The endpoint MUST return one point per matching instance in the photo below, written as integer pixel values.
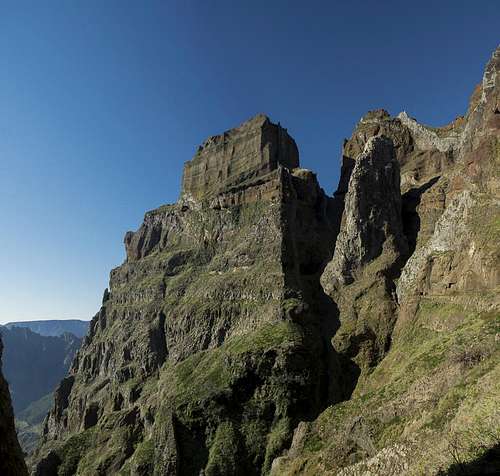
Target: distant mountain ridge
(54, 327)
(33, 364)
(11, 457)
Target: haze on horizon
(102, 105)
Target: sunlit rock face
(228, 160)
(215, 327)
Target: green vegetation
(30, 421)
(36, 411)
(224, 451)
(72, 451)
(430, 390)
(277, 439)
(210, 372)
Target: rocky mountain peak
(491, 81)
(372, 210)
(251, 150)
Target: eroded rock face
(215, 327)
(369, 253)
(11, 456)
(372, 216)
(424, 336)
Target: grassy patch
(209, 372)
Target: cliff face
(420, 320)
(260, 326)
(214, 331)
(11, 456)
(241, 154)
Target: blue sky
(102, 102)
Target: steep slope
(370, 250)
(429, 402)
(11, 457)
(213, 339)
(54, 327)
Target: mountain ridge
(53, 327)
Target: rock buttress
(252, 150)
(369, 252)
(214, 332)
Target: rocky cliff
(11, 456)
(418, 294)
(215, 331)
(259, 326)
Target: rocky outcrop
(370, 250)
(372, 213)
(216, 326)
(247, 152)
(423, 336)
(11, 457)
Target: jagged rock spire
(372, 212)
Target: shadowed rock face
(369, 252)
(259, 326)
(11, 457)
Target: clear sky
(101, 102)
